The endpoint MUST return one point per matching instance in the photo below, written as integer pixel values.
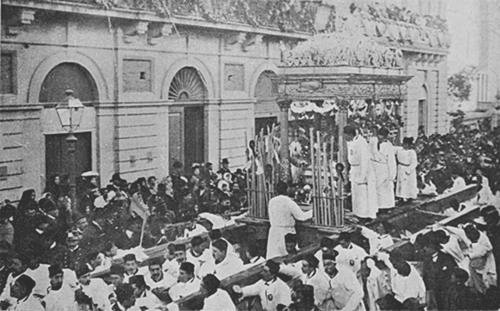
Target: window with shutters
(137, 75)
(8, 73)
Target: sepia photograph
(249, 155)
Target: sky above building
(464, 23)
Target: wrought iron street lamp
(70, 113)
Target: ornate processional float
(325, 83)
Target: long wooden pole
(313, 169)
(325, 184)
(320, 182)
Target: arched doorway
(57, 156)
(187, 117)
(68, 76)
(266, 108)
(422, 110)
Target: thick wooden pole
(284, 105)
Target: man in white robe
(226, 264)
(361, 174)
(406, 185)
(384, 163)
(283, 212)
(21, 292)
(406, 282)
(60, 296)
(271, 290)
(482, 261)
(201, 257)
(187, 283)
(94, 288)
(216, 299)
(350, 255)
(344, 291)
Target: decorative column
(284, 104)
(341, 159)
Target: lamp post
(70, 113)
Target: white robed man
(384, 164)
(283, 212)
(350, 255)
(216, 299)
(361, 175)
(272, 291)
(406, 283)
(483, 272)
(226, 263)
(187, 283)
(21, 291)
(344, 292)
(406, 185)
(201, 257)
(95, 288)
(60, 296)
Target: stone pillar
(284, 105)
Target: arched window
(68, 76)
(187, 84)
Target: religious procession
(272, 155)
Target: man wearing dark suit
(437, 269)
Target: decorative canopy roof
(342, 49)
(341, 66)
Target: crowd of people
(56, 254)
(51, 245)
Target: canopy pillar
(284, 104)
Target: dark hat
(187, 267)
(211, 282)
(384, 132)
(137, 280)
(55, 270)
(82, 270)
(329, 256)
(327, 242)
(408, 140)
(116, 177)
(312, 260)
(26, 282)
(225, 161)
(177, 164)
(350, 130)
(273, 266)
(220, 244)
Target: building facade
(166, 81)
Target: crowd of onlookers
(104, 223)
(471, 154)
